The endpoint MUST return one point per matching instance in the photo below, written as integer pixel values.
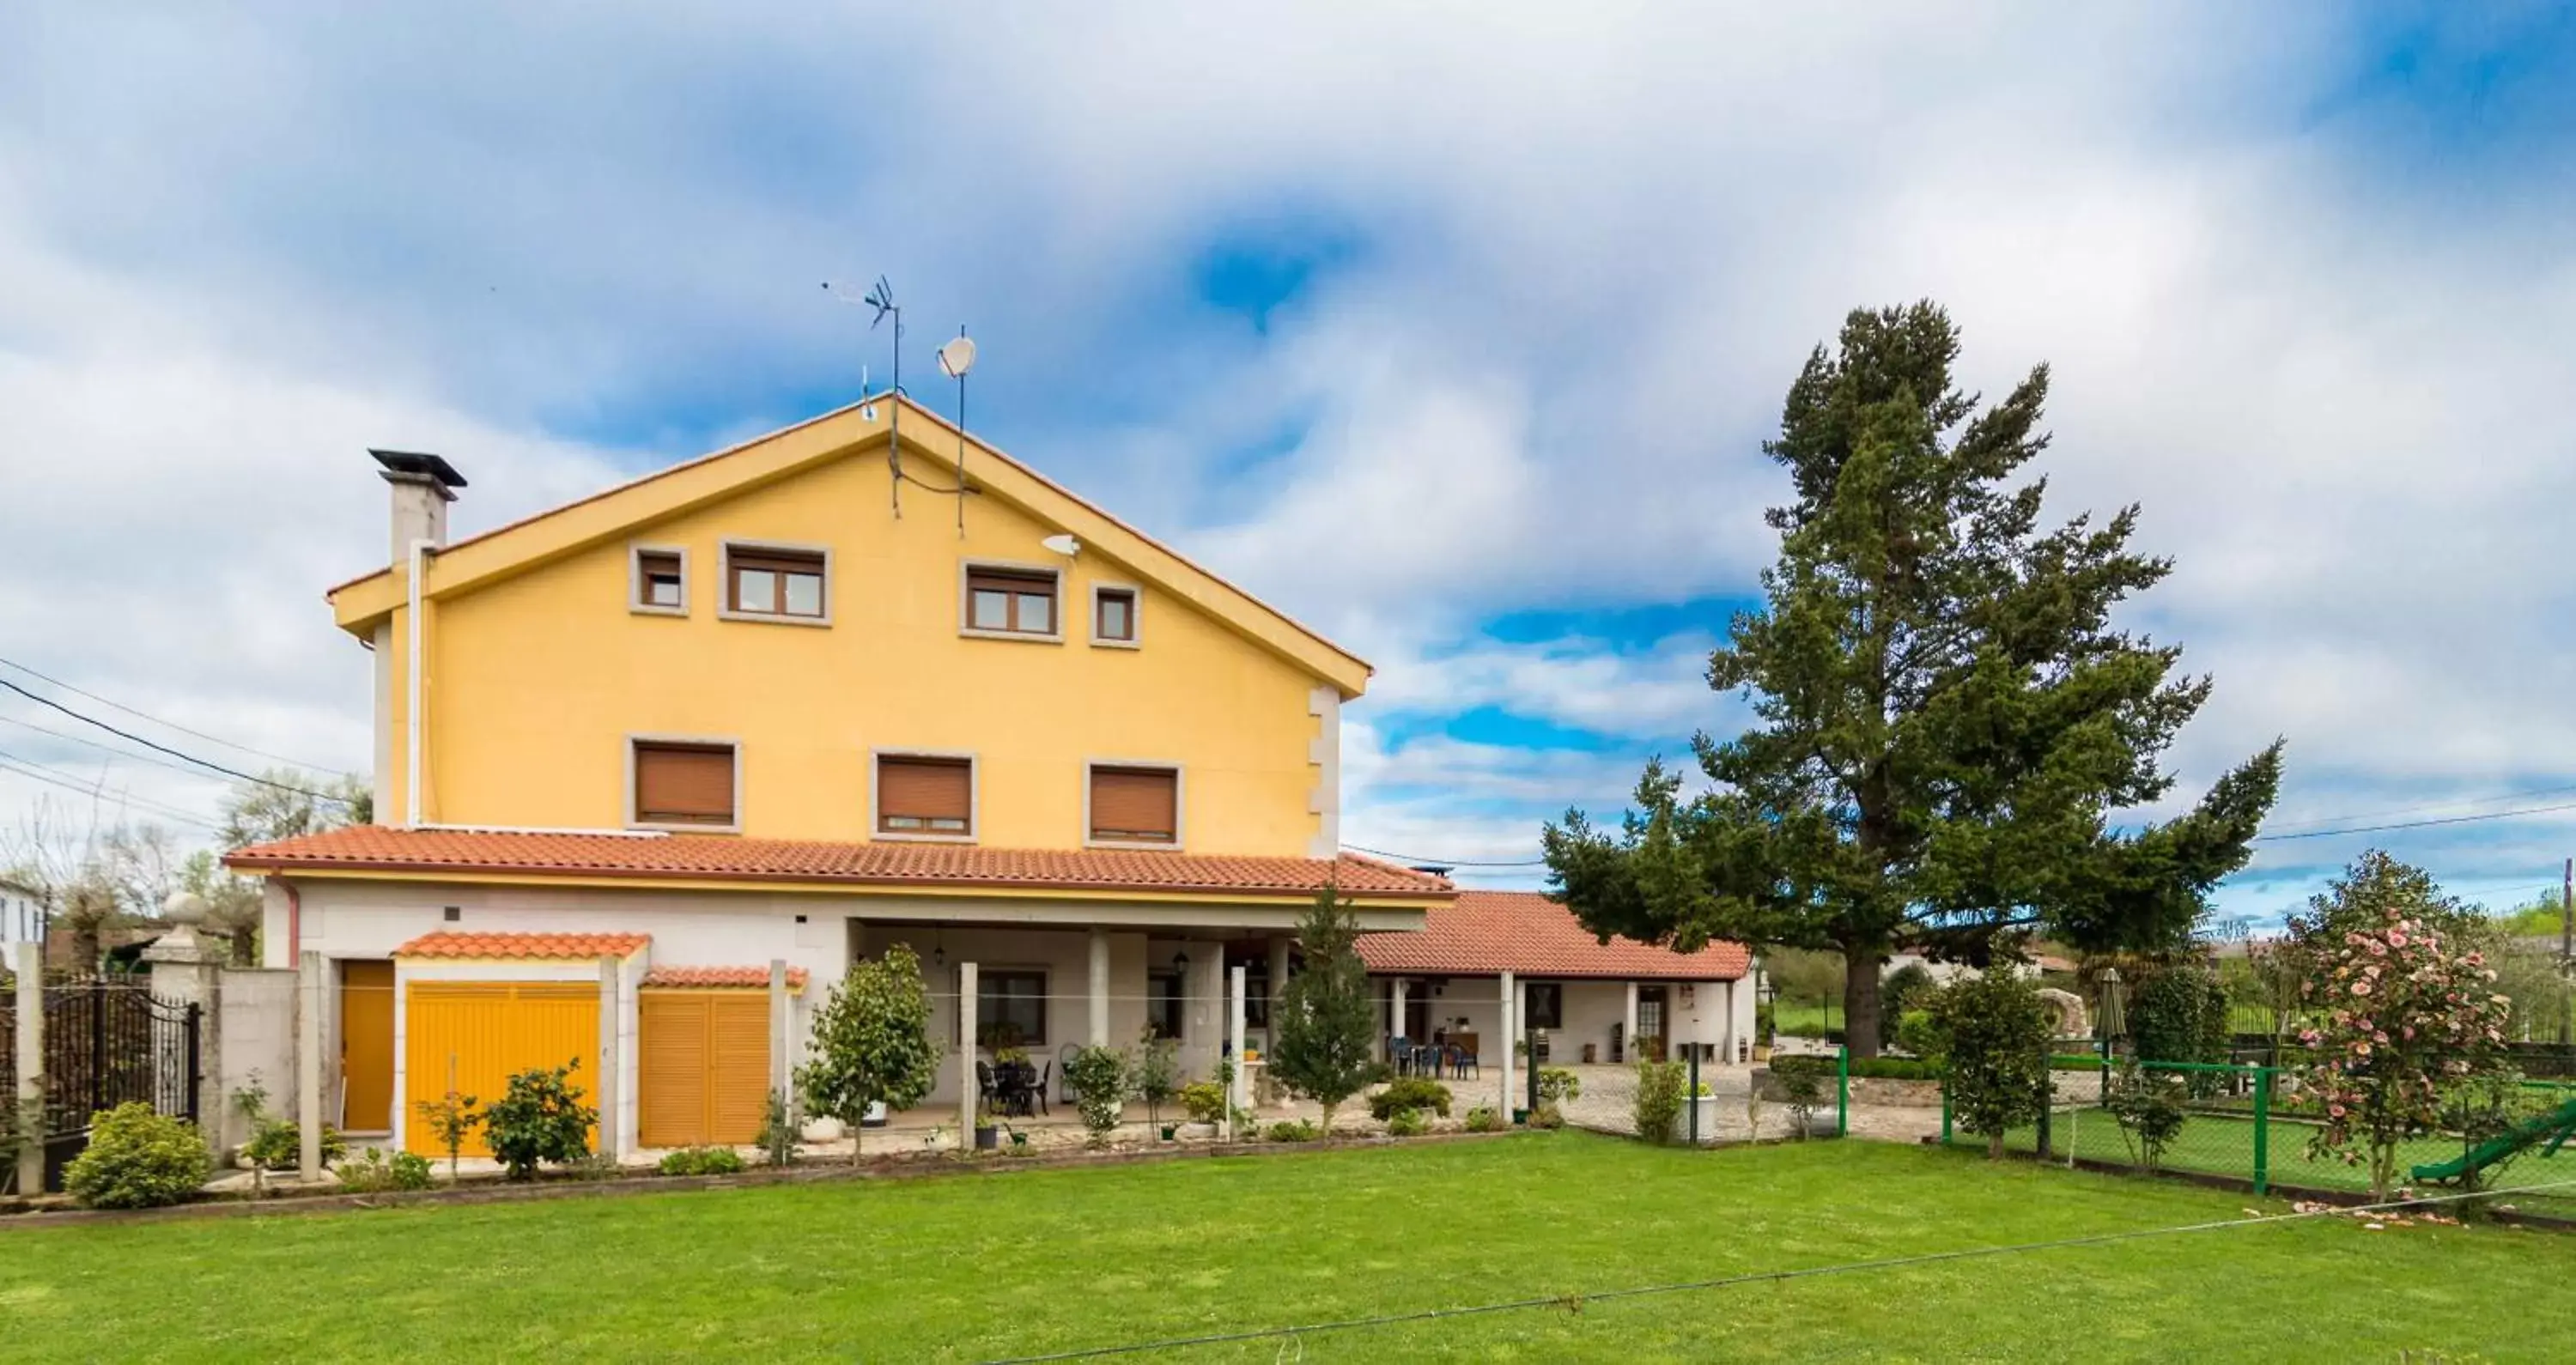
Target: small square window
(1113, 615)
(1010, 602)
(661, 581)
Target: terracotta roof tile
(698, 857)
(1485, 932)
(530, 947)
(701, 978)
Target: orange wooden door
(704, 1075)
(367, 1047)
(472, 1036)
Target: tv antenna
(880, 296)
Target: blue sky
(1453, 331)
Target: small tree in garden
(1994, 1032)
(539, 1118)
(451, 1119)
(1661, 1087)
(1326, 1025)
(1098, 1077)
(1157, 1073)
(2397, 1013)
(871, 1043)
(2149, 1109)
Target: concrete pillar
(1278, 982)
(1396, 1026)
(185, 971)
(779, 1041)
(967, 1093)
(1099, 1000)
(1628, 1034)
(30, 1099)
(610, 1111)
(1511, 1013)
(308, 1064)
(1239, 1094)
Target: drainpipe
(412, 722)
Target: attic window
(1011, 602)
(661, 582)
(769, 582)
(1113, 615)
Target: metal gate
(108, 1043)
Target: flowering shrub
(2396, 1018)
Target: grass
(971, 1268)
(1812, 1020)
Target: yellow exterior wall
(536, 681)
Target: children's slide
(2553, 1128)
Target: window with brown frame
(684, 784)
(761, 582)
(660, 580)
(1113, 615)
(918, 795)
(1010, 601)
(1135, 805)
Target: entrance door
(1650, 1022)
(367, 1047)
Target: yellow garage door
(472, 1036)
(705, 1074)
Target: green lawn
(967, 1268)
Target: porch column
(1239, 1093)
(30, 1043)
(1396, 1025)
(1099, 987)
(1511, 1009)
(966, 1088)
(1278, 985)
(1628, 1034)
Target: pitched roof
(613, 513)
(1485, 932)
(526, 947)
(713, 858)
(726, 978)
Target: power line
(57, 778)
(1578, 1300)
(171, 725)
(174, 753)
(2436, 805)
(102, 748)
(2416, 824)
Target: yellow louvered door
(705, 1073)
(474, 1035)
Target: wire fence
(2257, 1124)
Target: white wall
(21, 918)
(255, 1025)
(1716, 1013)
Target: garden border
(2237, 1184)
(491, 1189)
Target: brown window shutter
(1137, 805)
(925, 795)
(684, 784)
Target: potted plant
(987, 1135)
(1156, 1076)
(1204, 1102)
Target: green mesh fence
(2252, 1123)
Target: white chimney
(423, 485)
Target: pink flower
(2396, 938)
(2361, 988)
(2379, 1037)
(2336, 1110)
(2378, 949)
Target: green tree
(1946, 716)
(2180, 1015)
(1326, 1024)
(871, 1043)
(1993, 1034)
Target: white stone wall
(255, 1023)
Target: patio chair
(1462, 1064)
(984, 1089)
(1038, 1091)
(1399, 1050)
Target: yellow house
(653, 767)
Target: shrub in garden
(1156, 1076)
(1660, 1089)
(2398, 1013)
(539, 1118)
(2148, 1106)
(1098, 1078)
(1409, 1092)
(1556, 1085)
(1203, 1101)
(1995, 1033)
(1547, 1116)
(871, 1043)
(277, 1144)
(1902, 990)
(1407, 1123)
(1801, 1081)
(451, 1119)
(375, 1171)
(1916, 1034)
(1484, 1120)
(703, 1161)
(138, 1159)
(2180, 1015)
(1295, 1130)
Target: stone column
(308, 1065)
(1628, 1033)
(186, 971)
(30, 1099)
(1509, 1014)
(1396, 1026)
(1099, 1002)
(968, 1094)
(1278, 984)
(1239, 1094)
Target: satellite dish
(957, 357)
(1063, 545)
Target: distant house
(1599, 1002)
(22, 914)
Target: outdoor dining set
(1445, 1056)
